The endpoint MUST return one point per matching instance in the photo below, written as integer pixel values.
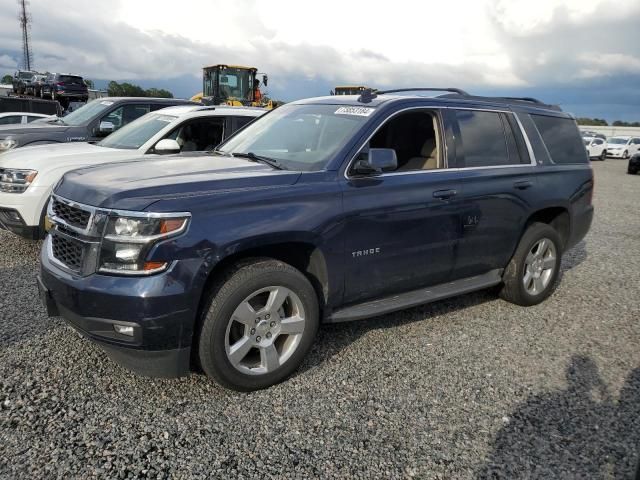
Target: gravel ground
(471, 387)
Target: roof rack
(525, 99)
(369, 94)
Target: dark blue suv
(324, 210)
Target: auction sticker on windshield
(360, 111)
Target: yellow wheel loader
(232, 85)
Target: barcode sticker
(360, 111)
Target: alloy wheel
(540, 264)
(265, 330)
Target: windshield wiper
(259, 158)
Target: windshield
(587, 141)
(87, 112)
(25, 75)
(233, 83)
(618, 141)
(137, 133)
(300, 137)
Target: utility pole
(25, 23)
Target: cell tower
(25, 23)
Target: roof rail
(525, 99)
(369, 94)
(425, 89)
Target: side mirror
(166, 146)
(105, 128)
(265, 79)
(378, 160)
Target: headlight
(16, 181)
(128, 240)
(7, 144)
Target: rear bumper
(160, 309)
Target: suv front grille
(67, 251)
(74, 216)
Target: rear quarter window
(562, 139)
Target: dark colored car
(634, 164)
(323, 210)
(64, 87)
(35, 84)
(20, 80)
(93, 121)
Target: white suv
(623, 147)
(596, 147)
(28, 174)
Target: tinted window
(239, 122)
(124, 114)
(11, 119)
(598, 142)
(71, 79)
(483, 139)
(200, 134)
(32, 118)
(562, 139)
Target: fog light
(124, 330)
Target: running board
(416, 297)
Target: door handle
(444, 194)
(523, 185)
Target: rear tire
(625, 154)
(632, 171)
(603, 155)
(531, 274)
(259, 323)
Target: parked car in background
(623, 146)
(94, 121)
(328, 209)
(34, 86)
(596, 147)
(20, 79)
(634, 164)
(591, 133)
(20, 118)
(27, 175)
(65, 87)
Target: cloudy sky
(583, 54)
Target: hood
(137, 184)
(50, 154)
(34, 127)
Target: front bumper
(28, 206)
(161, 309)
(634, 162)
(615, 153)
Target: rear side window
(562, 139)
(70, 79)
(10, 119)
(487, 139)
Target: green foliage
(89, 83)
(620, 123)
(7, 79)
(126, 89)
(594, 122)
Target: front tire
(625, 155)
(261, 320)
(603, 155)
(531, 274)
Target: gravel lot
(471, 387)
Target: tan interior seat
(428, 159)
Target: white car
(596, 147)
(28, 174)
(623, 147)
(15, 118)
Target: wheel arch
(557, 216)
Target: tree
(89, 83)
(594, 122)
(7, 79)
(126, 89)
